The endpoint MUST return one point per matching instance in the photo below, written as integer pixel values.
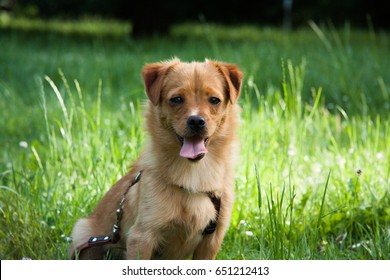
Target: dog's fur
(166, 212)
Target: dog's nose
(196, 123)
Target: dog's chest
(184, 232)
(190, 213)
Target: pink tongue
(192, 148)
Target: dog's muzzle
(193, 144)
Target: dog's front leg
(140, 246)
(208, 248)
(210, 244)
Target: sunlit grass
(313, 178)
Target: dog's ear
(153, 75)
(233, 77)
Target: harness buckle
(97, 240)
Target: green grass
(314, 174)
(84, 27)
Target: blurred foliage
(156, 16)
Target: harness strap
(106, 239)
(92, 242)
(212, 226)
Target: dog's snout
(196, 123)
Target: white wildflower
(23, 144)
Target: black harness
(94, 241)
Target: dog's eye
(176, 100)
(214, 100)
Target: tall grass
(321, 180)
(313, 177)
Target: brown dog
(181, 205)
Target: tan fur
(167, 211)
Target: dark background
(151, 16)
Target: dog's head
(192, 100)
